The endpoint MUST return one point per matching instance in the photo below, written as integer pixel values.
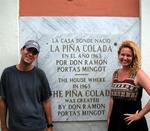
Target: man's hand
(49, 129)
(4, 129)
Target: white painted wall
(145, 42)
(8, 33)
(9, 52)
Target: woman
(125, 109)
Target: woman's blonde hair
(136, 62)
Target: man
(25, 92)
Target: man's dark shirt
(24, 92)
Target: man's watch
(49, 125)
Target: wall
(79, 8)
(8, 33)
(10, 52)
(145, 39)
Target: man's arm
(3, 114)
(47, 109)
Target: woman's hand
(108, 122)
(132, 117)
